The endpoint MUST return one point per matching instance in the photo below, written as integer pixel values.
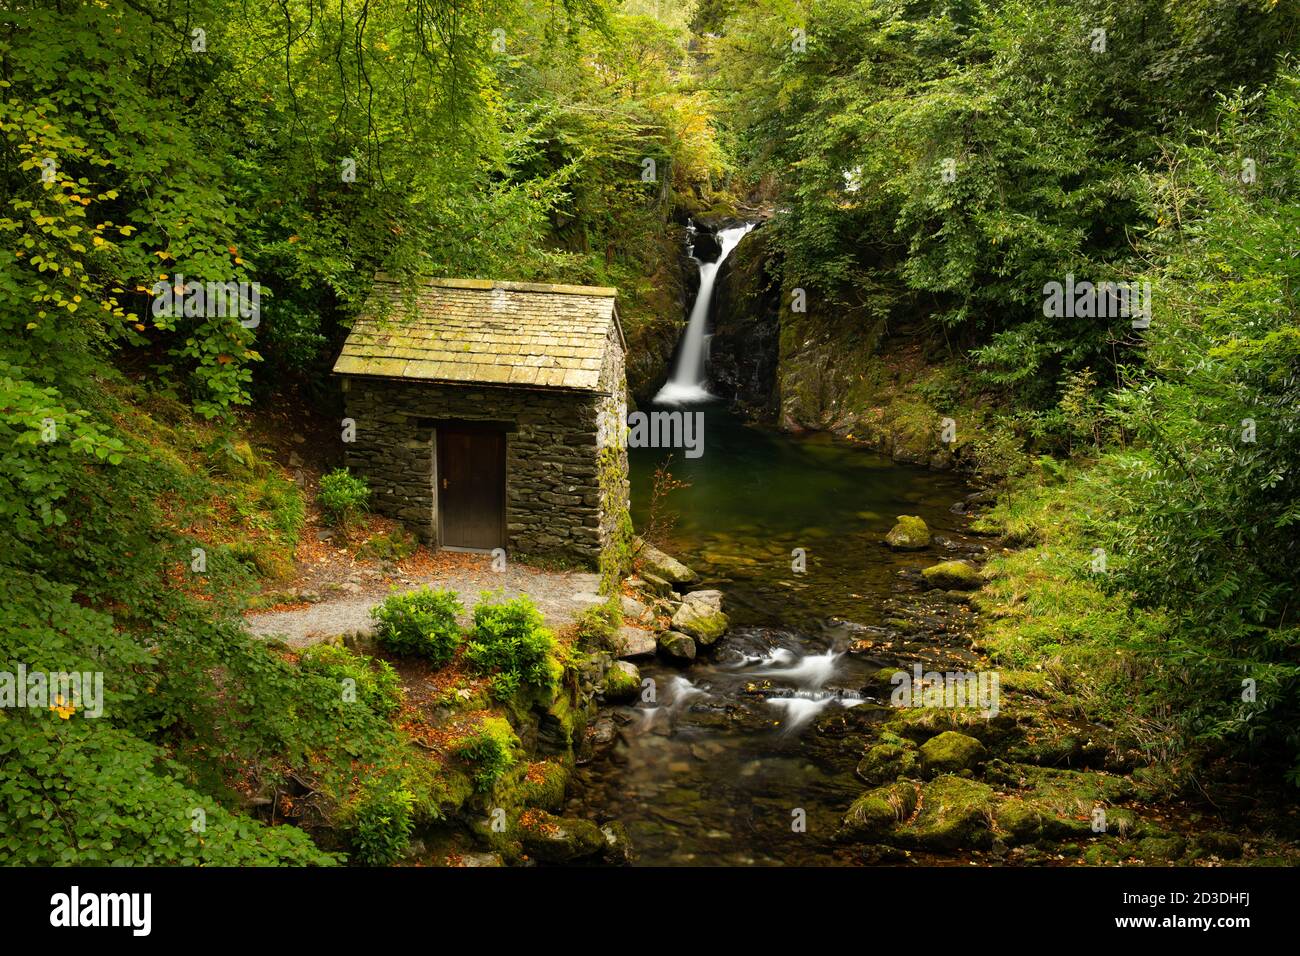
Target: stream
(713, 772)
(747, 756)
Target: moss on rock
(622, 682)
(886, 762)
(955, 813)
(950, 752)
(700, 621)
(953, 576)
(553, 839)
(910, 534)
(874, 814)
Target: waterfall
(687, 385)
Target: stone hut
(491, 414)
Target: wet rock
(618, 846)
(603, 732)
(698, 619)
(910, 534)
(879, 853)
(678, 646)
(633, 642)
(664, 566)
(950, 752)
(953, 576)
(481, 859)
(622, 682)
(553, 839)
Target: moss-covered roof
(480, 331)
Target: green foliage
(511, 640)
(373, 682)
(343, 496)
(420, 623)
(381, 824)
(1045, 135)
(597, 625)
(490, 750)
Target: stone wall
(611, 438)
(553, 496)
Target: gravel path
(560, 596)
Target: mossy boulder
(677, 646)
(700, 620)
(553, 839)
(544, 785)
(622, 682)
(886, 762)
(651, 560)
(910, 534)
(1161, 849)
(1226, 846)
(953, 576)
(955, 813)
(1019, 821)
(874, 814)
(950, 752)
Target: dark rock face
(654, 328)
(746, 319)
(705, 247)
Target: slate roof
(480, 331)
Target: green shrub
(375, 682)
(419, 623)
(490, 750)
(510, 639)
(382, 825)
(343, 496)
(597, 625)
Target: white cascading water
(687, 386)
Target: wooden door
(471, 489)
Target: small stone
(711, 599)
(622, 683)
(326, 535)
(633, 642)
(664, 566)
(700, 621)
(676, 645)
(632, 608)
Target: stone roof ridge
(554, 288)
